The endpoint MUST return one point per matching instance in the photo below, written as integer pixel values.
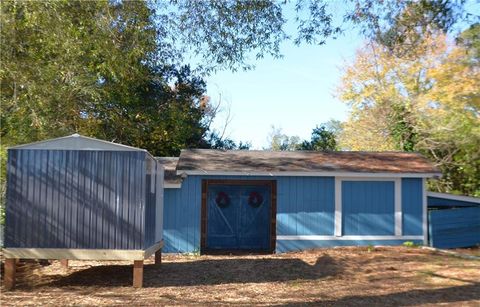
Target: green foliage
(215, 141)
(401, 25)
(410, 244)
(94, 68)
(322, 139)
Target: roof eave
(310, 174)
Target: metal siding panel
(412, 206)
(11, 225)
(454, 228)
(64, 199)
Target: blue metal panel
(299, 245)
(75, 199)
(235, 224)
(444, 202)
(412, 206)
(451, 228)
(368, 207)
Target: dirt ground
(337, 276)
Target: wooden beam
(73, 254)
(152, 249)
(64, 263)
(158, 257)
(9, 273)
(137, 273)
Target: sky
(294, 93)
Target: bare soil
(331, 277)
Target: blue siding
(305, 205)
(453, 228)
(368, 207)
(412, 206)
(299, 245)
(181, 223)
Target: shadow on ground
(205, 272)
(407, 298)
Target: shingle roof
(254, 161)
(170, 165)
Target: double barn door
(238, 217)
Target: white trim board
(346, 238)
(424, 212)
(308, 174)
(172, 185)
(469, 199)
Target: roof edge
(463, 198)
(313, 174)
(76, 135)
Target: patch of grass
(410, 244)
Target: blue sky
(294, 93)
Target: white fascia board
(346, 238)
(309, 174)
(469, 199)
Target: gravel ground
(336, 276)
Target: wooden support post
(9, 273)
(137, 273)
(158, 257)
(64, 263)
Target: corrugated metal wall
(154, 202)
(452, 228)
(75, 199)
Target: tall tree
(93, 68)
(429, 104)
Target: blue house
(268, 201)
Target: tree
(278, 141)
(322, 139)
(91, 67)
(429, 104)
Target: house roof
(303, 163)
(77, 142)
(170, 164)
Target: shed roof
(170, 165)
(307, 163)
(77, 142)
